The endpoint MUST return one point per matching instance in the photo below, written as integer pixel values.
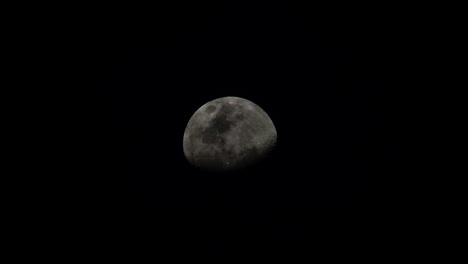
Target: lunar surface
(227, 134)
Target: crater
(210, 109)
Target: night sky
(328, 80)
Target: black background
(331, 81)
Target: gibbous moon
(227, 134)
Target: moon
(228, 133)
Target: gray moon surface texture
(228, 133)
